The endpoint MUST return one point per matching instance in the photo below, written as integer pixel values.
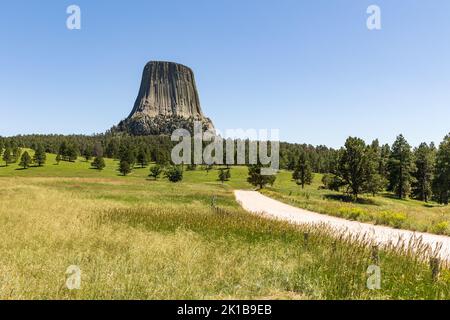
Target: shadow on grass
(347, 198)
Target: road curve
(255, 202)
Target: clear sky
(309, 68)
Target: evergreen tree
(161, 156)
(124, 167)
(98, 163)
(7, 157)
(16, 154)
(303, 174)
(256, 178)
(224, 174)
(384, 161)
(353, 166)
(62, 150)
(155, 171)
(58, 158)
(400, 166)
(423, 175)
(142, 157)
(375, 182)
(441, 182)
(174, 173)
(25, 160)
(87, 153)
(127, 153)
(112, 149)
(39, 156)
(71, 153)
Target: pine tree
(441, 182)
(98, 163)
(174, 173)
(127, 153)
(353, 166)
(58, 158)
(16, 154)
(303, 174)
(87, 153)
(7, 157)
(375, 181)
(256, 178)
(142, 157)
(423, 175)
(401, 166)
(71, 153)
(39, 156)
(224, 174)
(124, 168)
(25, 160)
(155, 171)
(112, 149)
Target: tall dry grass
(131, 242)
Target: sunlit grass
(139, 239)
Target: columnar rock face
(167, 100)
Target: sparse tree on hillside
(142, 157)
(127, 154)
(401, 166)
(302, 174)
(98, 163)
(71, 153)
(58, 158)
(16, 154)
(7, 157)
(124, 168)
(353, 166)
(112, 149)
(375, 182)
(39, 156)
(87, 153)
(441, 183)
(256, 178)
(425, 157)
(25, 160)
(174, 173)
(155, 171)
(224, 174)
(384, 161)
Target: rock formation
(167, 100)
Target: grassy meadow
(135, 238)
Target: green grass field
(135, 238)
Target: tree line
(357, 168)
(422, 173)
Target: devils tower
(167, 100)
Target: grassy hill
(135, 238)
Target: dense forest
(357, 168)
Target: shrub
(174, 174)
(155, 171)
(352, 213)
(393, 219)
(440, 228)
(98, 163)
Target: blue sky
(309, 68)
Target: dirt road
(255, 202)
